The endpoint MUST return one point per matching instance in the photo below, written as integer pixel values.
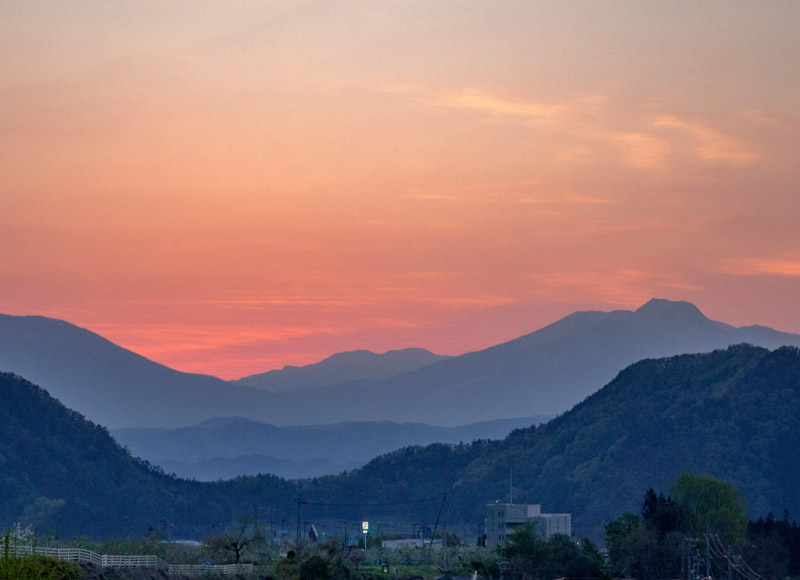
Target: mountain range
(545, 372)
(342, 367)
(731, 414)
(226, 447)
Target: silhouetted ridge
(660, 308)
(545, 372)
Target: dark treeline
(699, 527)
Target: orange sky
(230, 186)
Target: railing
(199, 569)
(124, 561)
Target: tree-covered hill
(63, 473)
(732, 414)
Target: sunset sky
(231, 186)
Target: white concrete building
(503, 518)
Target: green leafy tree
(660, 513)
(646, 547)
(529, 557)
(650, 546)
(570, 560)
(526, 554)
(710, 505)
(621, 536)
(773, 546)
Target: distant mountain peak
(354, 365)
(661, 307)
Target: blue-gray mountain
(224, 448)
(112, 386)
(357, 365)
(542, 373)
(731, 414)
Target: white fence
(122, 561)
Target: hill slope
(732, 414)
(50, 456)
(65, 474)
(114, 386)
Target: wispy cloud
(587, 124)
(710, 144)
(509, 192)
(763, 266)
(471, 98)
(586, 200)
(484, 101)
(643, 151)
(771, 119)
(623, 286)
(432, 196)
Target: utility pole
(300, 502)
(708, 559)
(683, 556)
(444, 526)
(730, 567)
(255, 519)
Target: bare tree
(234, 541)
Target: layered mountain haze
(112, 386)
(342, 367)
(542, 373)
(731, 414)
(226, 447)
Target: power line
(388, 504)
(735, 562)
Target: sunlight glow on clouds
(471, 98)
(760, 266)
(711, 144)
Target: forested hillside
(67, 475)
(731, 414)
